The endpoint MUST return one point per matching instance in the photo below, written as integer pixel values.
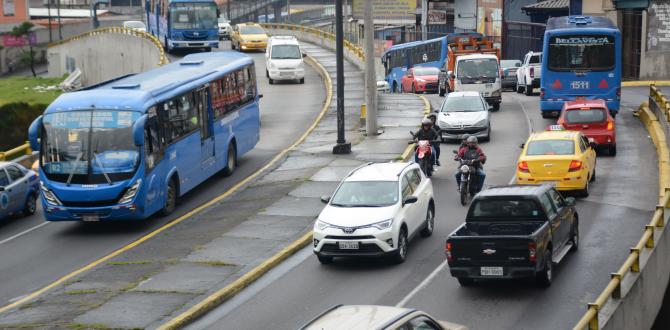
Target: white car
(283, 58)
(464, 113)
(375, 211)
(135, 25)
(224, 28)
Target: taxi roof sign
(555, 128)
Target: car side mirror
(2, 188)
(409, 200)
(260, 96)
(138, 131)
(570, 201)
(490, 107)
(304, 55)
(521, 146)
(325, 199)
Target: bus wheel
(231, 162)
(170, 198)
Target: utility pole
(370, 75)
(228, 10)
(424, 20)
(342, 146)
(60, 30)
(49, 13)
(288, 11)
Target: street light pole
(49, 13)
(370, 75)
(342, 146)
(60, 30)
(424, 20)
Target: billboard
(437, 12)
(658, 26)
(392, 12)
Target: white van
(283, 58)
(479, 73)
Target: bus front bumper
(193, 44)
(91, 214)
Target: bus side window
(152, 145)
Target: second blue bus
(128, 148)
(183, 24)
(582, 60)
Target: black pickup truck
(513, 232)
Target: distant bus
(180, 24)
(582, 60)
(130, 147)
(399, 58)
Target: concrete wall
(654, 62)
(104, 56)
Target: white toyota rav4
(375, 211)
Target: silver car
(464, 113)
(18, 190)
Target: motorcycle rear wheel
(464, 193)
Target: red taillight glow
(610, 125)
(575, 165)
(447, 251)
(541, 92)
(532, 72)
(531, 252)
(523, 167)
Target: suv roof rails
(358, 168)
(406, 166)
(320, 315)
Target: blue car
(18, 190)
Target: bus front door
(204, 121)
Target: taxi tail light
(447, 251)
(523, 167)
(575, 165)
(532, 72)
(610, 125)
(532, 252)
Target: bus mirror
(34, 132)
(138, 131)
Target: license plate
(90, 217)
(285, 74)
(348, 245)
(491, 271)
(489, 85)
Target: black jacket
(430, 135)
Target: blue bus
(399, 58)
(180, 24)
(582, 60)
(130, 147)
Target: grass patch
(139, 262)
(86, 326)
(78, 292)
(214, 263)
(30, 90)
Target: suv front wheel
(401, 252)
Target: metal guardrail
(119, 30)
(358, 51)
(632, 263)
(18, 151)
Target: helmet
(466, 137)
(426, 122)
(471, 139)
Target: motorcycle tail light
(523, 167)
(610, 125)
(447, 251)
(532, 257)
(575, 165)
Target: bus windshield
(581, 53)
(89, 147)
(196, 16)
(478, 68)
(285, 52)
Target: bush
(15, 118)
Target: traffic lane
(307, 288)
(19, 225)
(59, 248)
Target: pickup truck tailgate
(479, 251)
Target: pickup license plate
(491, 271)
(348, 245)
(90, 217)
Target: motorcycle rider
(427, 133)
(468, 150)
(433, 119)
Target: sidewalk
(164, 276)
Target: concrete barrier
(105, 54)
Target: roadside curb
(645, 83)
(426, 110)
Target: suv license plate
(90, 217)
(348, 245)
(491, 271)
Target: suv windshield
(462, 104)
(251, 29)
(501, 208)
(581, 53)
(197, 16)
(478, 68)
(366, 194)
(281, 52)
(89, 147)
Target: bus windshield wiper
(102, 168)
(76, 166)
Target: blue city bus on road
(130, 147)
(181, 24)
(433, 53)
(582, 60)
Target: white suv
(283, 57)
(375, 211)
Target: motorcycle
(468, 171)
(424, 153)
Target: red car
(420, 79)
(593, 119)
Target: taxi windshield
(551, 147)
(585, 116)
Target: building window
(8, 7)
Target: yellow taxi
(249, 36)
(564, 158)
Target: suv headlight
(444, 124)
(481, 123)
(320, 225)
(495, 93)
(130, 193)
(420, 80)
(49, 195)
(386, 224)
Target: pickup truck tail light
(447, 251)
(575, 165)
(610, 125)
(532, 249)
(532, 72)
(523, 167)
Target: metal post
(288, 11)
(424, 20)
(342, 147)
(370, 75)
(60, 30)
(228, 10)
(49, 13)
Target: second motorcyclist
(427, 133)
(471, 151)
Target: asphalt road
(34, 253)
(611, 220)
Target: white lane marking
(23, 233)
(529, 123)
(421, 285)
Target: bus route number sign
(581, 84)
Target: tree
(23, 31)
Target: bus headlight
(49, 196)
(130, 193)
